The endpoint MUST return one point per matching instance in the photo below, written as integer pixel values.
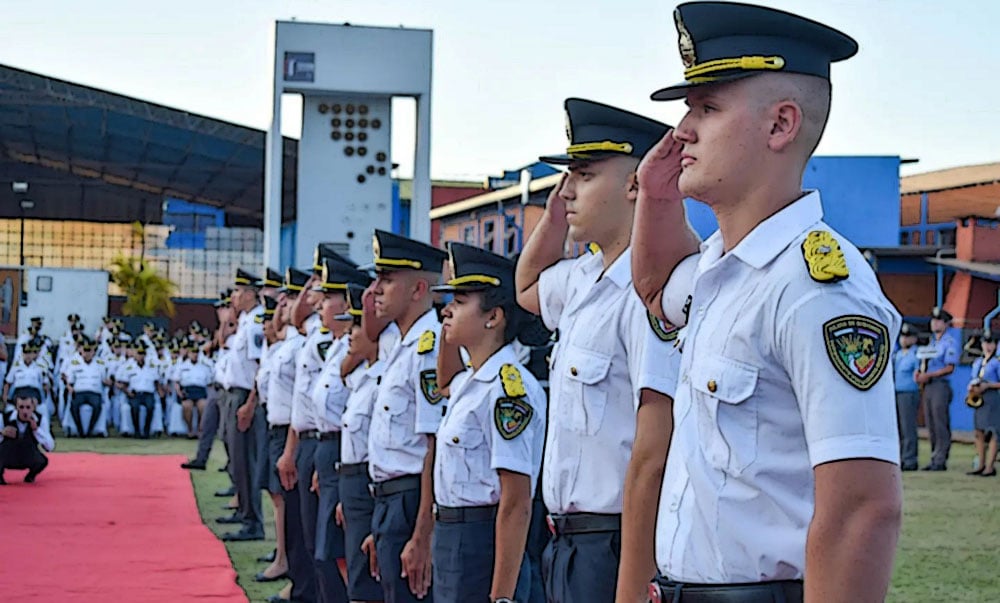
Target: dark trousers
(94, 401)
(138, 401)
(582, 567)
(538, 538)
(243, 463)
(906, 414)
(209, 428)
(937, 403)
(358, 508)
(22, 453)
(301, 568)
(393, 521)
(463, 555)
(326, 582)
(329, 536)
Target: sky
(924, 85)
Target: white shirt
(485, 430)
(245, 351)
(26, 375)
(363, 384)
(141, 379)
(761, 402)
(43, 434)
(406, 410)
(281, 384)
(308, 363)
(596, 367)
(329, 394)
(263, 376)
(194, 374)
(86, 376)
(221, 370)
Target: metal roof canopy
(89, 154)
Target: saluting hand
(660, 169)
(555, 205)
(416, 558)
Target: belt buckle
(371, 489)
(434, 510)
(551, 524)
(336, 466)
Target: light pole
(21, 189)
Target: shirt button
(385, 408)
(712, 385)
(455, 439)
(573, 371)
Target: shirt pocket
(467, 446)
(727, 413)
(400, 422)
(583, 383)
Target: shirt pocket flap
(587, 366)
(731, 381)
(467, 438)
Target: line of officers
(396, 427)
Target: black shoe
(909, 468)
(278, 599)
(242, 536)
(193, 465)
(990, 473)
(260, 577)
(976, 472)
(226, 493)
(223, 469)
(935, 468)
(232, 519)
(228, 508)
(268, 558)
(30, 478)
(3, 482)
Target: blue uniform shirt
(947, 353)
(904, 363)
(992, 372)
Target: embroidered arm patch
(429, 386)
(511, 417)
(858, 347)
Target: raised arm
(544, 248)
(661, 235)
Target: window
(489, 234)
(469, 235)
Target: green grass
(948, 548)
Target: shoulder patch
(429, 386)
(511, 417)
(823, 257)
(663, 330)
(75, 362)
(858, 347)
(593, 248)
(513, 385)
(426, 342)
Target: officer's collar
(772, 236)
(620, 271)
(427, 322)
(491, 368)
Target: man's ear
(632, 190)
(786, 123)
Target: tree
(147, 292)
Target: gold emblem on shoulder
(824, 258)
(513, 385)
(684, 41)
(426, 342)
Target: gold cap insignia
(569, 128)
(376, 248)
(684, 41)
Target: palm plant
(147, 292)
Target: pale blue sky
(924, 85)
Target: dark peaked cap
(722, 41)
(596, 131)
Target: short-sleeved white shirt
(245, 351)
(362, 384)
(329, 392)
(761, 400)
(596, 365)
(308, 363)
(405, 410)
(484, 430)
(281, 383)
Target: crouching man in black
(24, 431)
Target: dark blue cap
(328, 251)
(245, 278)
(337, 275)
(271, 279)
(475, 269)
(722, 41)
(394, 252)
(355, 294)
(596, 131)
(295, 280)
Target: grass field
(949, 549)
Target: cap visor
(343, 317)
(556, 159)
(459, 288)
(679, 91)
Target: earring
(489, 325)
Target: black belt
(278, 428)
(309, 434)
(352, 468)
(326, 436)
(464, 514)
(584, 523)
(784, 591)
(394, 485)
(238, 389)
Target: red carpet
(98, 528)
